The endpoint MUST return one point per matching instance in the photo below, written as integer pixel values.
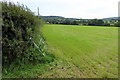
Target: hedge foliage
(21, 42)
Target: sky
(86, 9)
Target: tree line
(74, 21)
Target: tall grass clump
(22, 42)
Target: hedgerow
(22, 41)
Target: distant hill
(57, 17)
(60, 17)
(53, 17)
(112, 18)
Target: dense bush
(21, 42)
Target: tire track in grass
(63, 70)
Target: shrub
(21, 43)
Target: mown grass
(93, 50)
(80, 52)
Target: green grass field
(80, 52)
(84, 51)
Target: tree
(96, 22)
(117, 24)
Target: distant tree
(117, 24)
(67, 22)
(75, 22)
(96, 22)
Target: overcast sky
(74, 8)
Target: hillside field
(83, 51)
